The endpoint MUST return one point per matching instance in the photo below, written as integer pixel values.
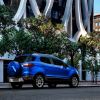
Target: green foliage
(96, 38)
(45, 37)
(77, 57)
(5, 22)
(40, 35)
(5, 16)
(41, 24)
(15, 40)
(23, 41)
(68, 48)
(46, 43)
(90, 46)
(6, 42)
(32, 39)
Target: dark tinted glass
(45, 60)
(22, 59)
(57, 62)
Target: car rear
(19, 69)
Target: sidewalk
(81, 84)
(89, 83)
(5, 85)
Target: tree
(6, 41)
(69, 48)
(31, 39)
(89, 47)
(13, 39)
(5, 17)
(44, 34)
(5, 23)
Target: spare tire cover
(14, 69)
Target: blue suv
(40, 69)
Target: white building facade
(75, 15)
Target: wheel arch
(40, 73)
(76, 76)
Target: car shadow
(44, 88)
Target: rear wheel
(38, 81)
(16, 85)
(74, 81)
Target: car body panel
(49, 70)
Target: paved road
(60, 93)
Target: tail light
(28, 65)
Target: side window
(45, 60)
(57, 62)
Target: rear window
(22, 59)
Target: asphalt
(81, 84)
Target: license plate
(27, 78)
(15, 79)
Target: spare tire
(14, 69)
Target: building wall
(1, 70)
(96, 24)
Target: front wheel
(16, 85)
(38, 81)
(74, 81)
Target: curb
(81, 84)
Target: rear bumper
(13, 79)
(20, 79)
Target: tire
(74, 81)
(16, 85)
(38, 81)
(51, 85)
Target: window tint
(22, 59)
(57, 62)
(45, 60)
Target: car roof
(41, 55)
(24, 55)
(45, 55)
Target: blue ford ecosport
(40, 69)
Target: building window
(96, 24)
